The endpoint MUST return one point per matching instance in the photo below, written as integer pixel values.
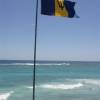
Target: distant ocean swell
(54, 80)
(38, 64)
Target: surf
(5, 96)
(62, 86)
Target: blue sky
(59, 38)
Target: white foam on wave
(71, 84)
(40, 64)
(53, 64)
(5, 96)
(29, 87)
(85, 81)
(18, 64)
(91, 81)
(62, 86)
(22, 64)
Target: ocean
(55, 80)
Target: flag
(63, 8)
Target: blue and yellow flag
(63, 8)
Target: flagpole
(35, 46)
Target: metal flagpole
(35, 45)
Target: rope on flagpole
(35, 45)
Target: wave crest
(5, 96)
(29, 87)
(40, 64)
(91, 81)
(54, 64)
(61, 86)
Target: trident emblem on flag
(61, 4)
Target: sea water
(55, 80)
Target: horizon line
(50, 60)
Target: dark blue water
(55, 80)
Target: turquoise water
(54, 80)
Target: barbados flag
(63, 8)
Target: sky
(59, 38)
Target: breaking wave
(29, 87)
(72, 84)
(54, 64)
(61, 86)
(90, 81)
(39, 64)
(18, 64)
(5, 96)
